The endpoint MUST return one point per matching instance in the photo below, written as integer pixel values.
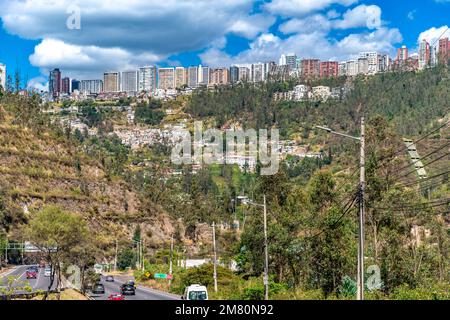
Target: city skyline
(248, 32)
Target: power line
(335, 223)
(425, 179)
(421, 206)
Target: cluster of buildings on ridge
(170, 81)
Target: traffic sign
(163, 276)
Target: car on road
(31, 273)
(109, 279)
(127, 290)
(195, 292)
(116, 296)
(47, 271)
(98, 288)
(131, 283)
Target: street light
(266, 254)
(361, 139)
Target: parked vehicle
(195, 292)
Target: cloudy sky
(38, 35)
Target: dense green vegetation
(411, 101)
(149, 113)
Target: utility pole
(362, 179)
(266, 255)
(143, 246)
(171, 257)
(266, 249)
(362, 182)
(115, 256)
(215, 256)
(6, 252)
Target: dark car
(131, 283)
(127, 290)
(98, 288)
(31, 273)
(109, 279)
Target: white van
(195, 292)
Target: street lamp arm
(338, 133)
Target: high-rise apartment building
(91, 86)
(147, 79)
(258, 74)
(402, 54)
(111, 81)
(268, 67)
(234, 74)
(385, 63)
(65, 85)
(220, 76)
(203, 75)
(424, 54)
(311, 68)
(351, 68)
(54, 83)
(363, 66)
(166, 78)
(291, 61)
(329, 69)
(444, 51)
(130, 81)
(181, 77)
(193, 77)
(3, 76)
(373, 59)
(342, 69)
(244, 74)
(75, 85)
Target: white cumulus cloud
(433, 34)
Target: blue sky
(121, 35)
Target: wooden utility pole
(362, 181)
(171, 257)
(215, 256)
(266, 255)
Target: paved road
(42, 282)
(142, 293)
(20, 279)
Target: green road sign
(163, 276)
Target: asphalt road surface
(142, 293)
(42, 282)
(20, 279)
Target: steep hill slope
(38, 166)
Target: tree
(56, 233)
